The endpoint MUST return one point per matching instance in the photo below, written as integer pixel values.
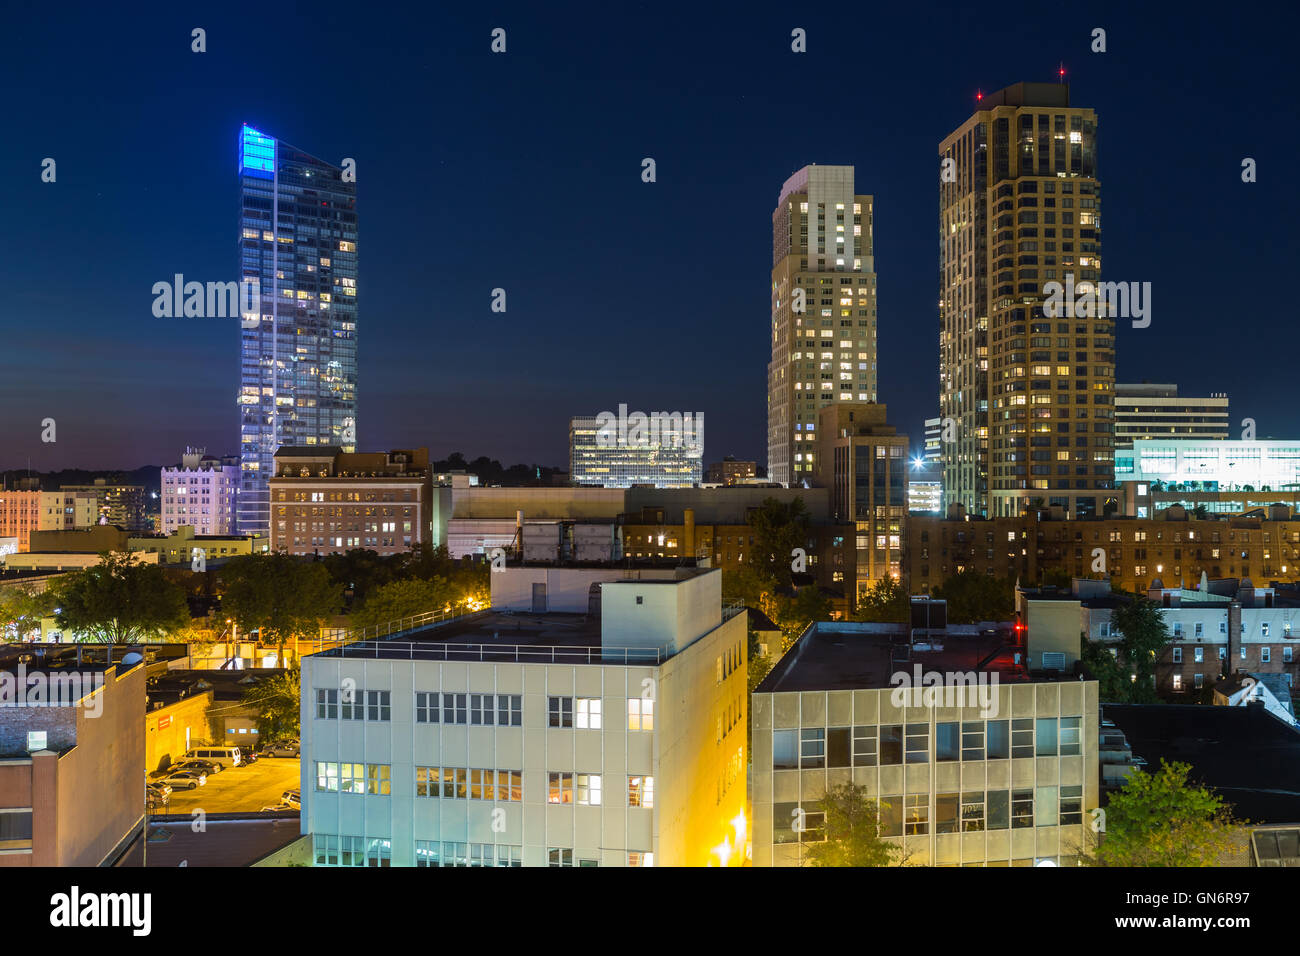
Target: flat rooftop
(854, 656)
(506, 636)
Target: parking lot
(239, 788)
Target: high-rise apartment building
(298, 357)
(1156, 411)
(200, 493)
(1030, 395)
(823, 312)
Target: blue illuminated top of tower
(258, 152)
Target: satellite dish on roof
(131, 659)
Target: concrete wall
(567, 589)
(537, 502)
(167, 730)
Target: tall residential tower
(298, 358)
(823, 313)
(1030, 396)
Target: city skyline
(440, 345)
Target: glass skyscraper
(298, 351)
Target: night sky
(523, 171)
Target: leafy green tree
(277, 700)
(22, 608)
(1161, 819)
(1115, 684)
(359, 571)
(1143, 637)
(745, 584)
(119, 601)
(399, 599)
(779, 527)
(973, 597)
(279, 595)
(793, 614)
(886, 601)
(853, 835)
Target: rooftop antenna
(979, 95)
(1060, 73)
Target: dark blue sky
(522, 171)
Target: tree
(1144, 636)
(886, 601)
(22, 608)
(277, 700)
(279, 595)
(119, 601)
(852, 822)
(399, 599)
(745, 585)
(794, 613)
(779, 528)
(973, 597)
(359, 571)
(1160, 819)
(1115, 685)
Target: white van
(225, 756)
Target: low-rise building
(1130, 552)
(71, 760)
(327, 501)
(729, 471)
(609, 735)
(972, 758)
(22, 513)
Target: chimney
(1234, 635)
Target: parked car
(282, 748)
(186, 779)
(201, 765)
(160, 790)
(222, 756)
(291, 797)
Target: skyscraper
(1030, 397)
(298, 357)
(823, 312)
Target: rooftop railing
(499, 653)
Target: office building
(863, 460)
(729, 471)
(995, 765)
(924, 487)
(298, 358)
(823, 312)
(1157, 412)
(664, 452)
(589, 719)
(328, 501)
(71, 765)
(201, 493)
(1207, 476)
(1029, 396)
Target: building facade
(23, 512)
(82, 739)
(1129, 552)
(666, 453)
(1218, 476)
(864, 461)
(201, 493)
(1157, 412)
(1029, 395)
(117, 503)
(298, 357)
(823, 312)
(328, 501)
(1001, 771)
(729, 471)
(555, 739)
